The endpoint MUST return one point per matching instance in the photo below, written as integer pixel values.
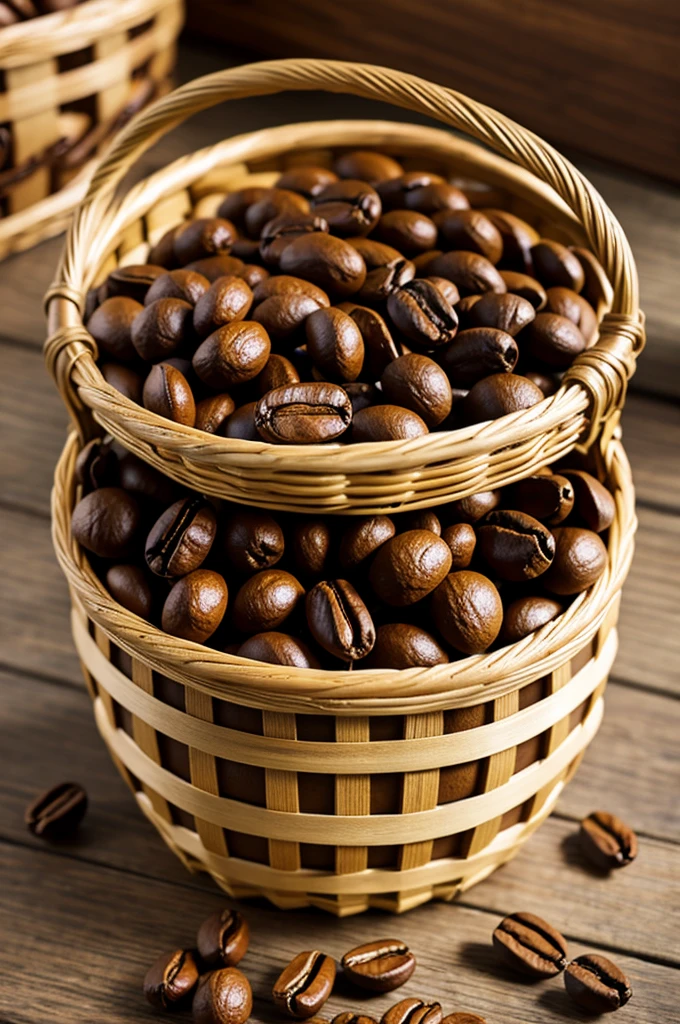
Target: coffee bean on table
(478, 353)
(227, 300)
(596, 984)
(422, 313)
(181, 538)
(171, 980)
(303, 413)
(530, 945)
(334, 344)
(514, 545)
(526, 615)
(409, 567)
(223, 997)
(195, 606)
(178, 284)
(403, 645)
(467, 611)
(339, 620)
(548, 498)
(555, 264)
(266, 600)
(278, 649)
(232, 355)
(329, 262)
(607, 841)
(107, 522)
(305, 984)
(367, 165)
(167, 393)
(350, 1017)
(525, 287)
(413, 1011)
(462, 540)
(592, 501)
(471, 231)
(580, 559)
(351, 207)
(252, 540)
(417, 383)
(223, 938)
(129, 586)
(387, 423)
(471, 273)
(111, 327)
(56, 814)
(379, 966)
(498, 395)
(205, 236)
(463, 1017)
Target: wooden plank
(651, 435)
(98, 930)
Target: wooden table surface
(79, 922)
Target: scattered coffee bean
(56, 814)
(379, 966)
(305, 984)
(223, 997)
(607, 841)
(350, 1017)
(463, 1018)
(530, 945)
(171, 981)
(413, 1011)
(596, 984)
(223, 939)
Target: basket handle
(603, 371)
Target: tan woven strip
(104, 645)
(420, 789)
(145, 736)
(557, 733)
(281, 790)
(353, 797)
(499, 770)
(112, 98)
(204, 771)
(33, 134)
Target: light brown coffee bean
(334, 344)
(171, 980)
(232, 355)
(463, 1017)
(530, 945)
(580, 559)
(556, 265)
(467, 611)
(409, 567)
(596, 984)
(419, 384)
(186, 285)
(403, 645)
(413, 1011)
(311, 542)
(195, 606)
(362, 539)
(223, 997)
(278, 371)
(278, 649)
(607, 841)
(167, 393)
(282, 315)
(461, 539)
(387, 423)
(471, 273)
(329, 262)
(526, 615)
(526, 288)
(266, 600)
(472, 508)
(223, 938)
(303, 413)
(305, 984)
(379, 966)
(212, 413)
(592, 501)
(447, 288)
(227, 300)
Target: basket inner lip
(569, 399)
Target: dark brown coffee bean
(282, 315)
(387, 423)
(232, 355)
(278, 649)
(407, 230)
(167, 393)
(223, 997)
(361, 395)
(472, 508)
(463, 1017)
(266, 600)
(530, 945)
(195, 606)
(467, 611)
(518, 240)
(339, 620)
(350, 206)
(418, 383)
(592, 501)
(223, 939)
(509, 313)
(212, 413)
(547, 382)
(461, 539)
(305, 984)
(252, 540)
(553, 339)
(478, 353)
(235, 204)
(363, 538)
(311, 546)
(181, 538)
(607, 841)
(394, 191)
(306, 179)
(367, 165)
(379, 346)
(515, 545)
(447, 288)
(379, 966)
(253, 274)
(303, 413)
(335, 344)
(327, 261)
(201, 238)
(556, 265)
(226, 301)
(145, 482)
(425, 519)
(596, 984)
(128, 585)
(284, 284)
(172, 980)
(498, 395)
(111, 327)
(276, 202)
(567, 303)
(133, 280)
(282, 230)
(526, 288)
(186, 285)
(278, 372)
(125, 380)
(435, 198)
(526, 615)
(107, 522)
(471, 273)
(162, 254)
(413, 1011)
(548, 498)
(241, 423)
(56, 814)
(580, 559)
(213, 267)
(8, 16)
(387, 269)
(161, 328)
(403, 645)
(96, 465)
(409, 567)
(423, 260)
(471, 231)
(422, 313)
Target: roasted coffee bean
(223, 997)
(394, 191)
(124, 379)
(530, 945)
(379, 346)
(276, 202)
(596, 984)
(303, 413)
(518, 238)
(311, 546)
(278, 649)
(305, 984)
(423, 260)
(129, 586)
(248, 249)
(266, 600)
(548, 498)
(327, 261)
(547, 382)
(195, 606)
(367, 165)
(403, 645)
(96, 465)
(607, 841)
(57, 813)
(464, 307)
(379, 966)
(186, 285)
(413, 1011)
(471, 231)
(508, 312)
(409, 567)
(241, 423)
(213, 267)
(526, 288)
(592, 501)
(253, 274)
(162, 254)
(339, 620)
(212, 413)
(201, 238)
(181, 538)
(467, 611)
(565, 302)
(498, 395)
(8, 16)
(580, 559)
(387, 423)
(363, 538)
(223, 938)
(167, 393)
(418, 383)
(553, 339)
(227, 300)
(435, 198)
(478, 353)
(387, 269)
(471, 273)
(350, 206)
(278, 371)
(526, 615)
(282, 230)
(282, 315)
(407, 230)
(376, 254)
(556, 265)
(335, 344)
(306, 179)
(234, 205)
(172, 980)
(350, 1017)
(472, 508)
(596, 289)
(111, 327)
(161, 328)
(133, 280)
(232, 355)
(361, 395)
(461, 539)
(422, 313)
(252, 540)
(447, 288)
(107, 522)
(463, 1017)
(425, 519)
(515, 545)
(144, 481)
(284, 284)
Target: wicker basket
(383, 476)
(69, 81)
(346, 789)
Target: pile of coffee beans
(412, 589)
(12, 11)
(530, 946)
(364, 303)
